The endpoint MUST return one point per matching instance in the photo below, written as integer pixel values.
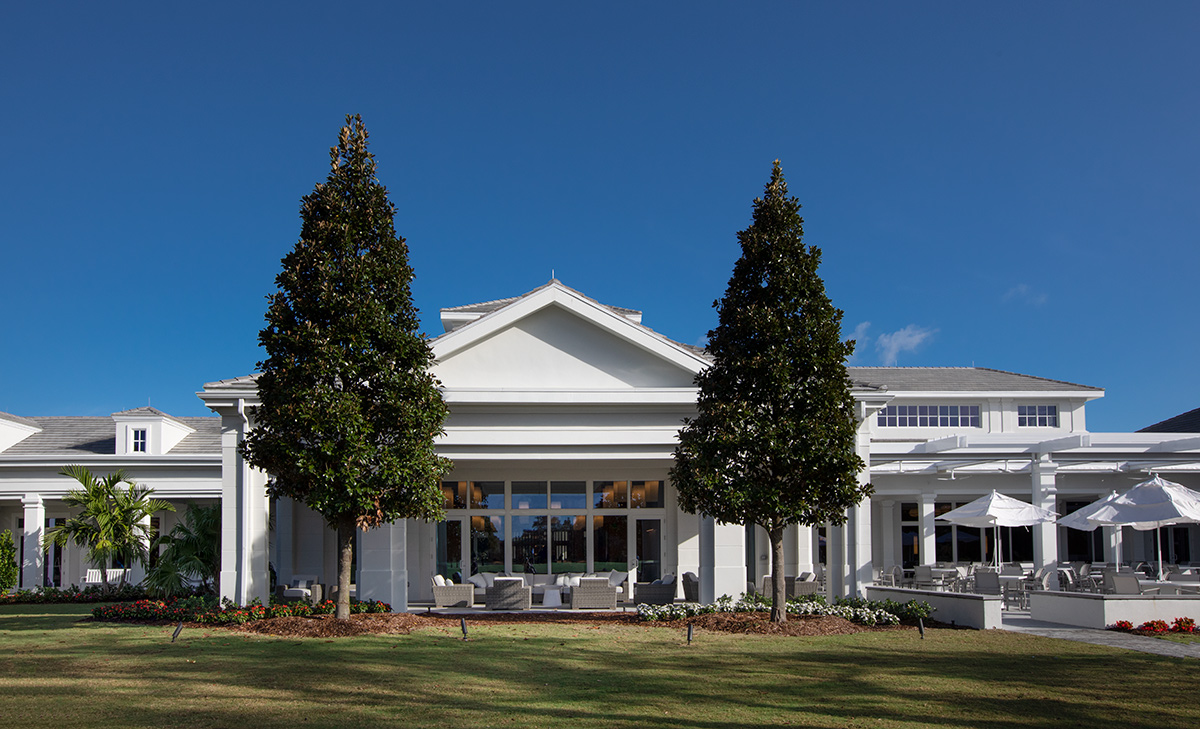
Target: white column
(860, 571)
(887, 533)
(137, 570)
(32, 566)
(283, 540)
(1045, 536)
(687, 540)
(928, 552)
(244, 509)
(858, 544)
(804, 549)
(722, 559)
(383, 565)
(835, 561)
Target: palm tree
(113, 523)
(192, 551)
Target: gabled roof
(455, 316)
(67, 435)
(960, 379)
(614, 319)
(1188, 422)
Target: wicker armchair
(691, 587)
(649, 593)
(509, 594)
(452, 595)
(594, 593)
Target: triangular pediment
(555, 338)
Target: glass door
(648, 549)
(451, 550)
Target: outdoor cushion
(478, 580)
(615, 578)
(439, 581)
(490, 578)
(573, 580)
(668, 579)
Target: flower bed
(1156, 627)
(205, 610)
(857, 610)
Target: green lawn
(56, 671)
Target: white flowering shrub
(858, 611)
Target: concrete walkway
(1020, 622)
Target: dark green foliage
(191, 551)
(349, 411)
(113, 523)
(8, 562)
(774, 439)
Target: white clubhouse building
(564, 415)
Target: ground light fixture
(463, 622)
(178, 630)
(690, 626)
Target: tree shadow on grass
(569, 676)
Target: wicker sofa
(449, 594)
(649, 593)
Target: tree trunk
(345, 537)
(778, 582)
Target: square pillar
(928, 553)
(137, 570)
(244, 510)
(722, 560)
(33, 564)
(1112, 544)
(383, 565)
(284, 528)
(1045, 535)
(887, 533)
(835, 561)
(858, 547)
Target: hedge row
(74, 594)
(204, 610)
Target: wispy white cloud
(907, 339)
(1024, 294)
(859, 335)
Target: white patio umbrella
(1151, 505)
(997, 510)
(1078, 519)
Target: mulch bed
(326, 626)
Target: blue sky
(1010, 185)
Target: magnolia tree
(773, 442)
(349, 410)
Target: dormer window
(1037, 416)
(139, 440)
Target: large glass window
(455, 494)
(646, 494)
(487, 494)
(529, 544)
(568, 543)
(609, 535)
(529, 495)
(610, 494)
(568, 495)
(487, 544)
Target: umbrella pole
(1158, 536)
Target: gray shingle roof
(68, 434)
(144, 410)
(1188, 422)
(488, 307)
(956, 379)
(18, 419)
